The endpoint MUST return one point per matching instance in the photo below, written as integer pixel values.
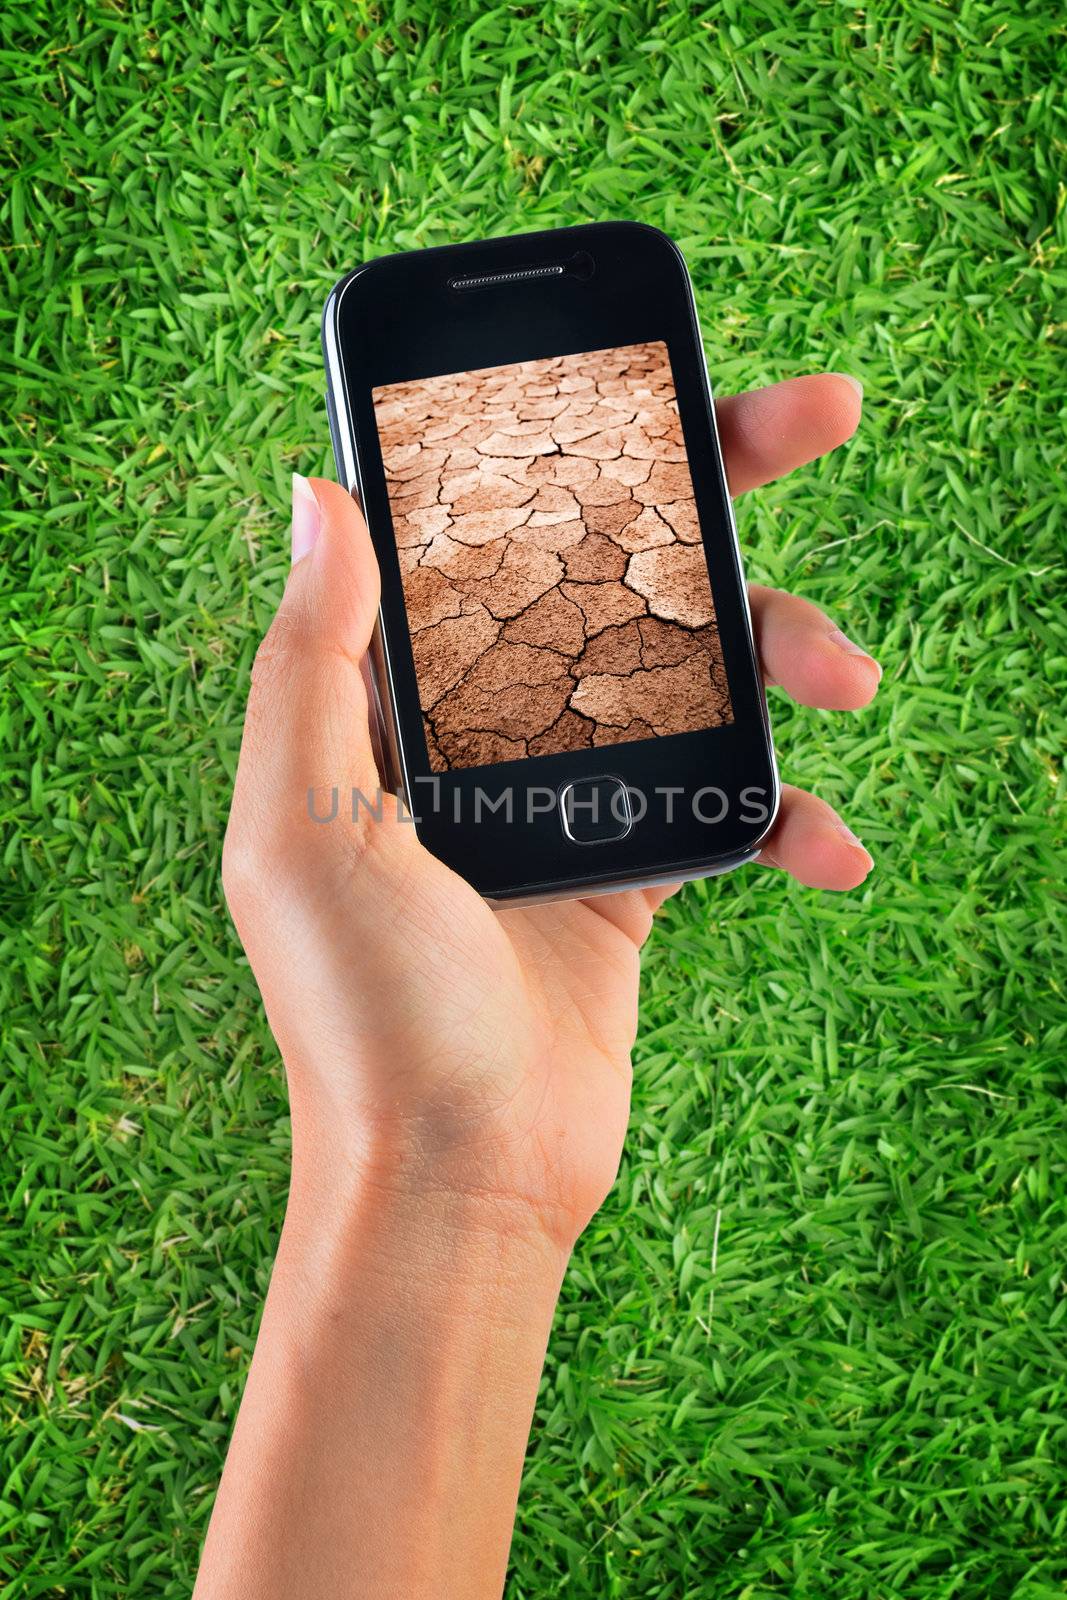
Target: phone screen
(554, 576)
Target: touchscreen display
(554, 578)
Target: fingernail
(307, 518)
(843, 642)
(850, 838)
(855, 382)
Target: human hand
(433, 1045)
(459, 1084)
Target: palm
(580, 961)
(512, 1054)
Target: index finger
(767, 432)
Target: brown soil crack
(585, 613)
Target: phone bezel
(397, 318)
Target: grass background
(817, 1342)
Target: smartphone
(565, 682)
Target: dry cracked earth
(555, 582)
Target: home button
(595, 810)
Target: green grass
(816, 1344)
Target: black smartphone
(565, 680)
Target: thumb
(307, 730)
(332, 593)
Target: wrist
(464, 1178)
(381, 1212)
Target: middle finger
(802, 650)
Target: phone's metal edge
(739, 560)
(395, 777)
(591, 887)
(382, 672)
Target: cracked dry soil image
(554, 578)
